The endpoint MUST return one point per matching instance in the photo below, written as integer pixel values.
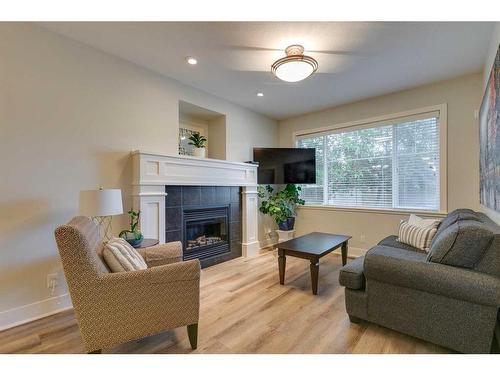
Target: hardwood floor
(244, 309)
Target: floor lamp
(101, 205)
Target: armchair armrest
(171, 289)
(161, 254)
(160, 275)
(412, 270)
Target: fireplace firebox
(206, 232)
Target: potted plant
(133, 236)
(280, 205)
(199, 143)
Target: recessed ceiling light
(260, 94)
(295, 66)
(191, 60)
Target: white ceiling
(359, 59)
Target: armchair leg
(98, 351)
(193, 335)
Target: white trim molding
(152, 172)
(34, 311)
(385, 211)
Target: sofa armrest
(351, 275)
(412, 270)
(166, 253)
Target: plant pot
(199, 152)
(132, 240)
(288, 224)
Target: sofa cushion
(392, 241)
(454, 216)
(121, 257)
(461, 244)
(351, 275)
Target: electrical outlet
(362, 238)
(52, 281)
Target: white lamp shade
(102, 202)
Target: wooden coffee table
(311, 246)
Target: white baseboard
(33, 311)
(250, 249)
(267, 243)
(354, 252)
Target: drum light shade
(295, 66)
(102, 202)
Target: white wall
(490, 57)
(462, 96)
(70, 115)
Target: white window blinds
(394, 164)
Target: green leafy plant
(133, 232)
(197, 140)
(280, 205)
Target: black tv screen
(285, 165)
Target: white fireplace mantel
(151, 172)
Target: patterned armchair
(113, 308)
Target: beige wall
(70, 115)
(217, 138)
(490, 57)
(462, 96)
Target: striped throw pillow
(121, 257)
(417, 236)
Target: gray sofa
(450, 296)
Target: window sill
(387, 211)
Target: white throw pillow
(421, 222)
(121, 257)
(417, 236)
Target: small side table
(147, 242)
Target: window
(390, 164)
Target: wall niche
(211, 124)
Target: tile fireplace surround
(153, 172)
(207, 220)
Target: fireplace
(206, 232)
(206, 219)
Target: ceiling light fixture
(260, 94)
(191, 60)
(295, 66)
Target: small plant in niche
(280, 205)
(133, 236)
(199, 142)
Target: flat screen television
(285, 165)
